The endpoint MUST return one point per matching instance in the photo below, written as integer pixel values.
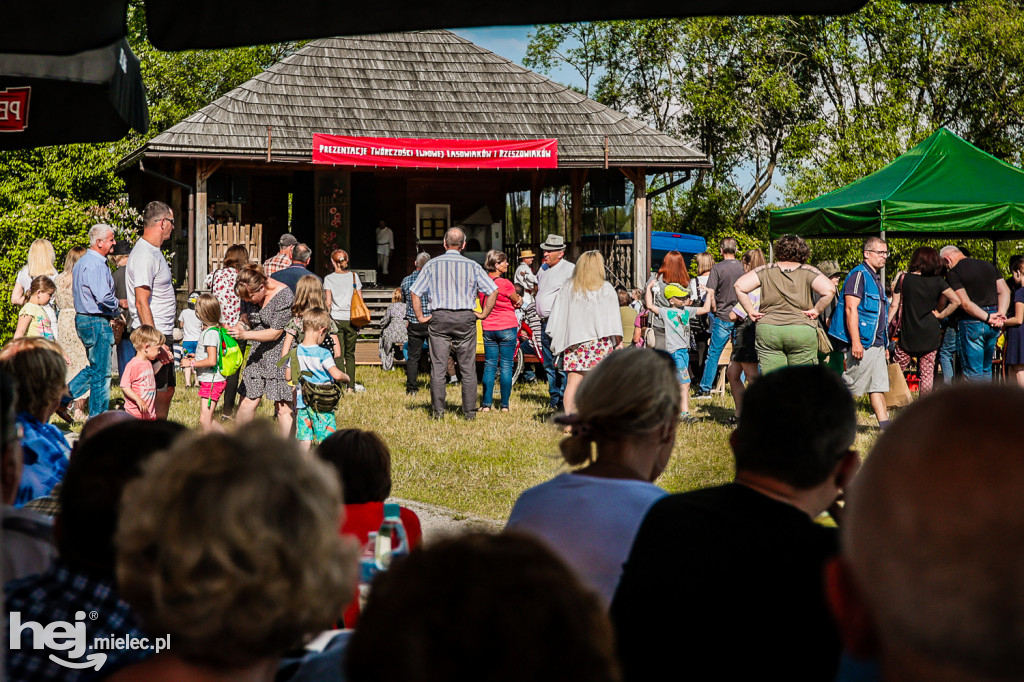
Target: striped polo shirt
(452, 281)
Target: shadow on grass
(717, 413)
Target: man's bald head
(934, 534)
(454, 238)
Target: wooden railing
(224, 235)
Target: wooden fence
(223, 235)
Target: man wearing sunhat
(524, 276)
(553, 275)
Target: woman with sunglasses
(339, 286)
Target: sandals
(484, 408)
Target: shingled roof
(423, 84)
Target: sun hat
(830, 268)
(554, 242)
(526, 253)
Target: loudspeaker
(217, 189)
(607, 188)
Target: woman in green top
(786, 333)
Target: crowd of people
(236, 549)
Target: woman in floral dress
(267, 311)
(585, 324)
(394, 330)
(223, 289)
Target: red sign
(14, 109)
(404, 152)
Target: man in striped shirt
(452, 283)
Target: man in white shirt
(524, 276)
(151, 296)
(385, 245)
(553, 275)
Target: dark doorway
(269, 202)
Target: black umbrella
(91, 96)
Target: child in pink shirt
(138, 381)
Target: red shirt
(360, 520)
(503, 315)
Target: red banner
(14, 109)
(402, 152)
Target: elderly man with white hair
(96, 305)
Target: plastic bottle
(392, 541)
(367, 567)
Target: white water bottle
(367, 567)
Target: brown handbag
(359, 314)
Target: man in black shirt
(737, 571)
(722, 294)
(984, 298)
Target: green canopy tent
(943, 187)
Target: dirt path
(440, 522)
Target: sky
(511, 41)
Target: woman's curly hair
(229, 542)
(792, 249)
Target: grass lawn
(479, 468)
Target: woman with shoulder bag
(339, 287)
(786, 333)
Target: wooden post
(641, 232)
(577, 178)
(201, 254)
(535, 210)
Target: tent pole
(883, 264)
(771, 251)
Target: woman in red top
(500, 329)
(363, 463)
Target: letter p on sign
(14, 109)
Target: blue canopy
(661, 242)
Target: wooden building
(248, 155)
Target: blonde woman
(585, 325)
(394, 329)
(627, 410)
(339, 286)
(67, 335)
(41, 259)
(232, 596)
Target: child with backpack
(207, 351)
(318, 393)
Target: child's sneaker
(687, 418)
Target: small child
(628, 315)
(211, 381)
(191, 327)
(33, 320)
(309, 294)
(677, 335)
(138, 382)
(312, 426)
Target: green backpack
(229, 355)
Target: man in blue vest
(860, 327)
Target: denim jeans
(976, 344)
(721, 333)
(98, 339)
(499, 352)
(947, 351)
(556, 378)
(125, 352)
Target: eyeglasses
(170, 220)
(881, 253)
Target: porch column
(577, 178)
(535, 210)
(641, 231)
(202, 242)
